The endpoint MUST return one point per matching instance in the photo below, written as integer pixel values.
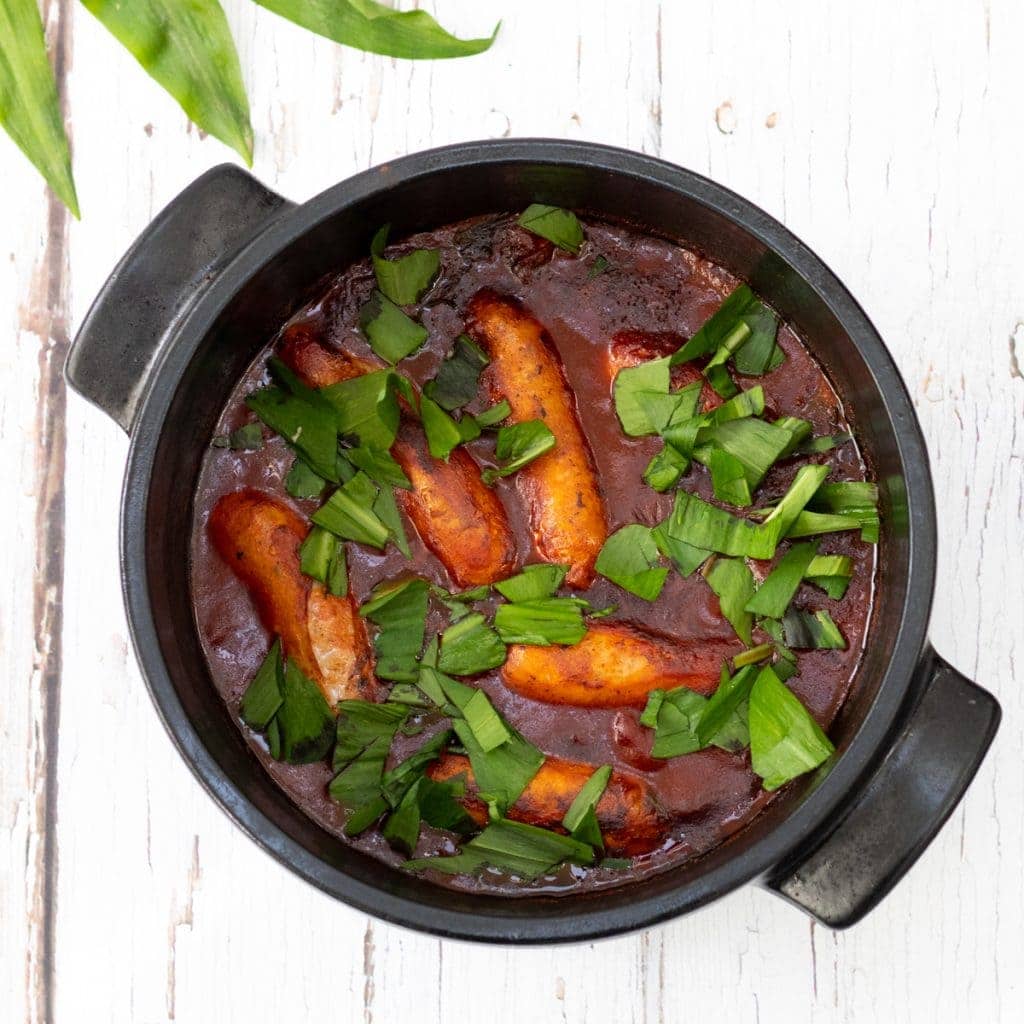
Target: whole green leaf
(29, 107)
(186, 46)
(371, 26)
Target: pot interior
(321, 239)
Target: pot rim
(587, 919)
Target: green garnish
(637, 391)
(685, 557)
(399, 610)
(392, 334)
(555, 224)
(458, 377)
(385, 508)
(405, 279)
(812, 631)
(703, 526)
(780, 586)
(263, 696)
(533, 583)
(302, 417)
(494, 415)
(379, 465)
(522, 850)
(304, 722)
(728, 478)
(248, 438)
(598, 267)
(825, 443)
(469, 647)
(517, 446)
(799, 430)
(665, 469)
(756, 445)
(487, 726)
(322, 557)
(856, 499)
(366, 408)
(733, 584)
(348, 513)
(832, 573)
(580, 821)
(629, 558)
(505, 771)
(785, 741)
(444, 433)
(542, 622)
(302, 482)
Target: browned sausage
(459, 518)
(630, 821)
(259, 537)
(615, 665)
(560, 488)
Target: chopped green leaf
(443, 432)
(248, 438)
(348, 513)
(518, 445)
(360, 723)
(502, 773)
(541, 623)
(703, 526)
(533, 583)
(405, 279)
(832, 573)
(728, 478)
(385, 509)
(523, 850)
(665, 469)
(493, 416)
(402, 827)
(629, 558)
(302, 482)
(854, 498)
(723, 721)
(785, 741)
(555, 224)
(756, 444)
(780, 586)
(598, 267)
(366, 408)
(825, 443)
(469, 647)
(392, 334)
(399, 610)
(678, 716)
(305, 421)
(585, 804)
(263, 697)
(304, 720)
(318, 553)
(733, 584)
(685, 557)
(636, 389)
(799, 430)
(379, 465)
(812, 631)
(781, 519)
(458, 378)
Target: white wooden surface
(887, 135)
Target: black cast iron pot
(207, 285)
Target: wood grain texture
(886, 136)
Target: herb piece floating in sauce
(322, 557)
(598, 267)
(542, 622)
(404, 279)
(534, 583)
(392, 334)
(303, 482)
(493, 416)
(349, 513)
(832, 573)
(785, 741)
(458, 378)
(444, 433)
(399, 610)
(733, 585)
(780, 586)
(469, 647)
(629, 558)
(366, 408)
(523, 850)
(287, 706)
(580, 820)
(558, 226)
(665, 469)
(517, 446)
(248, 438)
(812, 631)
(379, 466)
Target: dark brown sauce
(652, 286)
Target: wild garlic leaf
(367, 25)
(29, 107)
(186, 46)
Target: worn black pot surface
(208, 284)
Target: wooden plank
(885, 137)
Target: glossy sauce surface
(652, 287)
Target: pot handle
(937, 749)
(184, 248)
